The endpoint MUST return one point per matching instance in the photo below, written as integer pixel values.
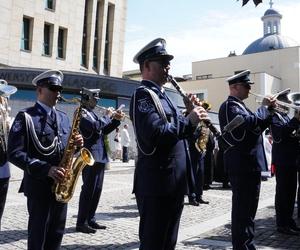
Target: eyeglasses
(162, 63)
(54, 88)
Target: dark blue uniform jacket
(23, 153)
(247, 153)
(93, 129)
(285, 148)
(161, 167)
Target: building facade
(73, 35)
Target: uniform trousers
(197, 161)
(46, 225)
(159, 221)
(245, 196)
(92, 177)
(3, 193)
(125, 154)
(286, 188)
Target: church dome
(272, 38)
(270, 42)
(271, 12)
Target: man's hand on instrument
(57, 173)
(119, 115)
(269, 101)
(188, 102)
(78, 140)
(198, 114)
(109, 111)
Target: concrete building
(73, 35)
(274, 61)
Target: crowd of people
(178, 155)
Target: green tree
(256, 2)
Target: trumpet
(283, 107)
(116, 113)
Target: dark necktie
(53, 115)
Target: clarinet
(209, 124)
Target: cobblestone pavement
(203, 227)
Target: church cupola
(271, 20)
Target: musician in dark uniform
(197, 155)
(161, 180)
(245, 159)
(36, 144)
(93, 129)
(285, 156)
(5, 91)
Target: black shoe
(95, 225)
(201, 201)
(226, 186)
(193, 202)
(85, 229)
(206, 187)
(287, 230)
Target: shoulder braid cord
(160, 110)
(37, 144)
(243, 108)
(88, 113)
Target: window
(275, 29)
(269, 28)
(26, 33)
(61, 43)
(96, 39)
(203, 77)
(200, 96)
(48, 34)
(108, 38)
(84, 37)
(49, 4)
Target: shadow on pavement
(12, 236)
(129, 245)
(112, 215)
(126, 207)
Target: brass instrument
(203, 137)
(115, 111)
(65, 189)
(284, 107)
(207, 123)
(5, 91)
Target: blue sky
(198, 30)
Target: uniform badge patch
(235, 109)
(17, 126)
(145, 105)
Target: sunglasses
(54, 88)
(162, 63)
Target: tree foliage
(256, 2)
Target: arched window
(269, 28)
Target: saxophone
(65, 189)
